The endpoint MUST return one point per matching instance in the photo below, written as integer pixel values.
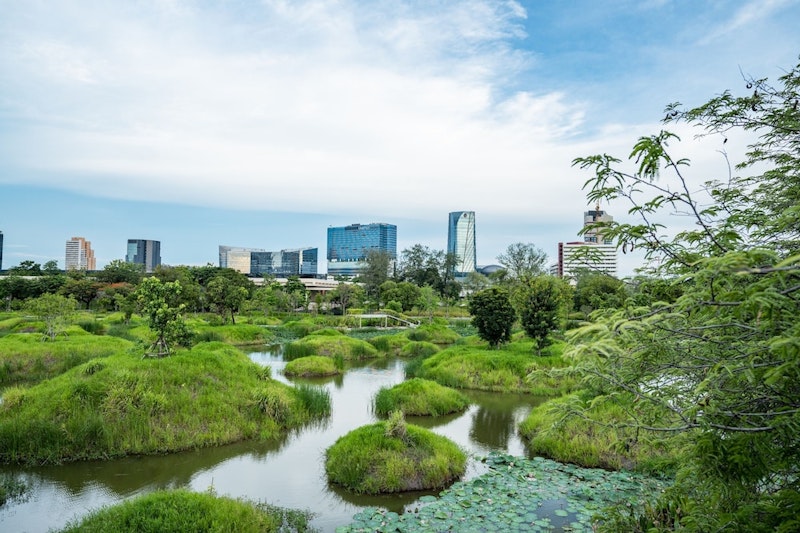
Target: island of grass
(177, 511)
(511, 368)
(123, 404)
(331, 343)
(312, 366)
(393, 456)
(419, 397)
(602, 437)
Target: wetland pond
(288, 472)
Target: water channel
(288, 472)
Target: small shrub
(418, 349)
(396, 426)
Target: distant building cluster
(258, 262)
(349, 246)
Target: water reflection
(288, 471)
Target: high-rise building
(1, 250)
(259, 262)
(596, 254)
(348, 246)
(575, 258)
(144, 252)
(595, 234)
(461, 241)
(79, 255)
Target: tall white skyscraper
(461, 241)
(596, 254)
(79, 255)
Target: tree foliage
(160, 305)
(542, 304)
(227, 292)
(54, 310)
(492, 315)
(598, 291)
(522, 261)
(723, 359)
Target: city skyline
(122, 119)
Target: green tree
(542, 303)
(118, 271)
(522, 261)
(54, 310)
(377, 271)
(15, 288)
(26, 268)
(227, 292)
(719, 364)
(598, 291)
(84, 290)
(160, 305)
(346, 294)
(492, 315)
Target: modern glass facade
(461, 241)
(348, 246)
(257, 262)
(144, 252)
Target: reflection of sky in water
(288, 472)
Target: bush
(312, 365)
(178, 511)
(419, 349)
(380, 458)
(419, 397)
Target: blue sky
(261, 123)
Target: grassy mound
(508, 369)
(123, 404)
(393, 457)
(419, 397)
(595, 442)
(390, 344)
(24, 357)
(435, 333)
(347, 348)
(312, 365)
(419, 349)
(181, 511)
(237, 334)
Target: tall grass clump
(393, 456)
(315, 400)
(419, 349)
(313, 365)
(436, 333)
(390, 344)
(179, 511)
(123, 405)
(236, 334)
(603, 440)
(511, 368)
(331, 346)
(95, 327)
(25, 359)
(419, 397)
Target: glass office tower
(144, 252)
(348, 246)
(461, 241)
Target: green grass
(393, 457)
(236, 334)
(347, 348)
(594, 441)
(390, 344)
(435, 333)
(419, 349)
(419, 397)
(472, 365)
(182, 511)
(312, 365)
(123, 404)
(26, 358)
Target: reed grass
(419, 397)
(123, 405)
(378, 459)
(312, 365)
(180, 511)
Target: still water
(288, 472)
